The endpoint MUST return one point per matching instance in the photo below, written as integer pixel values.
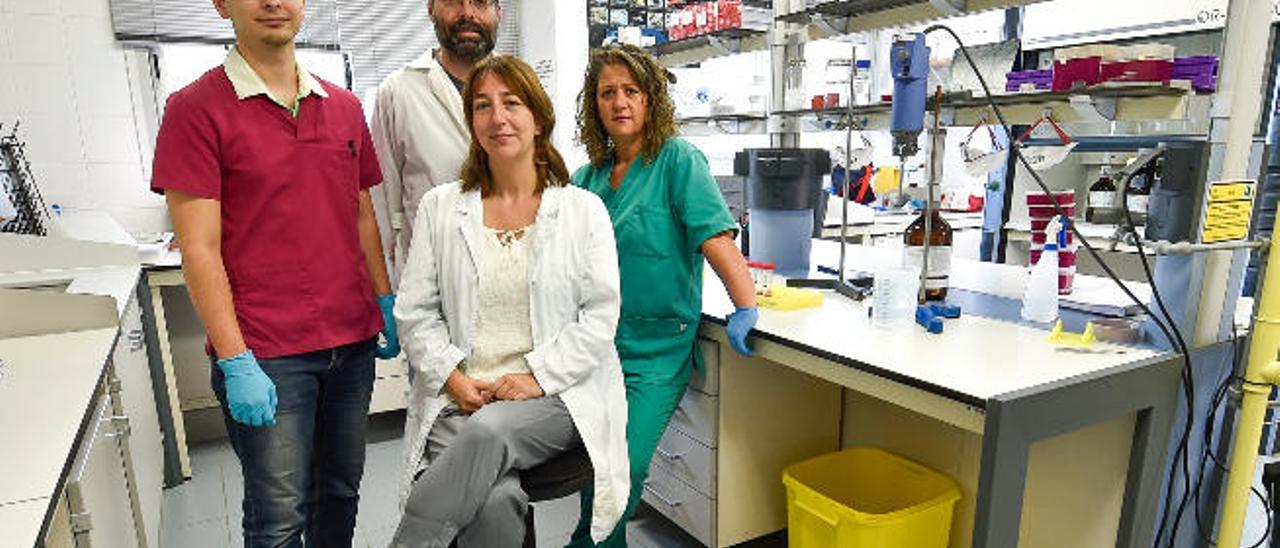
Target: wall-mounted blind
(381, 36)
(191, 21)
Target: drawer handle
(665, 500)
(669, 456)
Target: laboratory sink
(43, 286)
(31, 309)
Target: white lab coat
(574, 301)
(421, 135)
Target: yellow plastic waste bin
(864, 497)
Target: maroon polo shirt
(289, 190)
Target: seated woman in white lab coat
(507, 312)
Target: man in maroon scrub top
(266, 171)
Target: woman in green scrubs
(668, 214)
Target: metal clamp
(660, 497)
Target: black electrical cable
(1218, 397)
(1183, 449)
(1187, 378)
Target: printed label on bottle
(1102, 198)
(939, 264)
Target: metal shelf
(1095, 107)
(694, 50)
(723, 124)
(1150, 111)
(842, 17)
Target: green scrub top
(662, 212)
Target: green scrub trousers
(662, 212)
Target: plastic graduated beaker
(896, 296)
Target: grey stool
(559, 477)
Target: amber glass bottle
(935, 287)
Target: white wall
(69, 83)
(554, 41)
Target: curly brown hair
(518, 76)
(659, 123)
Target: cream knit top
(503, 333)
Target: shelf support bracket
(819, 20)
(950, 8)
(1094, 109)
(720, 45)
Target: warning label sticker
(1229, 212)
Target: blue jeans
(302, 476)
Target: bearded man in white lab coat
(419, 129)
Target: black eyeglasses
(476, 4)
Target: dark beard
(466, 50)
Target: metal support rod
(848, 175)
(1248, 21)
(1235, 113)
(1185, 248)
(1261, 369)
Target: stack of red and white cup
(1040, 209)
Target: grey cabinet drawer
(689, 460)
(680, 503)
(707, 379)
(697, 416)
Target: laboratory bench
(1051, 447)
(77, 413)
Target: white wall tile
(52, 139)
(8, 97)
(98, 9)
(121, 185)
(36, 39)
(110, 139)
(6, 52)
(101, 91)
(43, 90)
(145, 219)
(51, 7)
(63, 184)
(87, 38)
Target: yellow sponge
(781, 297)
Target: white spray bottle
(1040, 301)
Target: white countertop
(51, 378)
(975, 358)
(21, 521)
(47, 390)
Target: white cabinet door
(146, 451)
(97, 489)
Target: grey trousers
(471, 487)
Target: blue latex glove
(392, 349)
(250, 393)
(740, 323)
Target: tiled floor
(205, 511)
